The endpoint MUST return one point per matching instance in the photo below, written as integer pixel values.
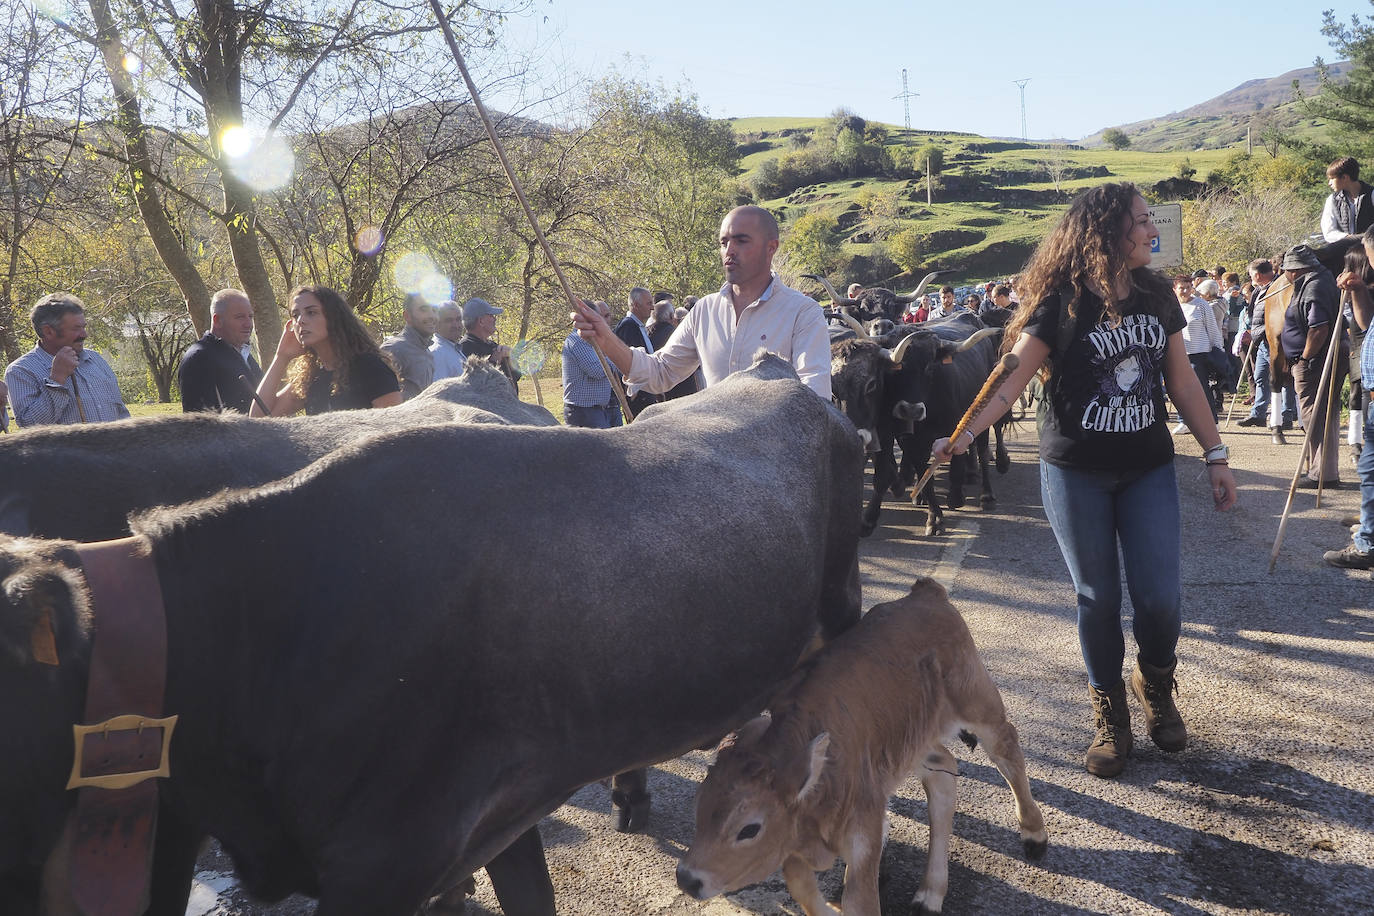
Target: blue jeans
(1364, 538)
(1089, 512)
(591, 417)
(1262, 386)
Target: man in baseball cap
(479, 320)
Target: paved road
(1269, 810)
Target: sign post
(1167, 250)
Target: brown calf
(812, 783)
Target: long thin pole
(611, 376)
(1244, 367)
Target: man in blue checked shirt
(59, 380)
(587, 397)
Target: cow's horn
(975, 337)
(835, 297)
(854, 323)
(921, 287)
(900, 353)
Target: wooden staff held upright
(524, 203)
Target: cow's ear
(814, 758)
(40, 605)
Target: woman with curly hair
(325, 360)
(1107, 331)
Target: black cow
(912, 396)
(365, 723)
(82, 482)
(876, 303)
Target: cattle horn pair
(921, 287)
(836, 299)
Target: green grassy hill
(992, 203)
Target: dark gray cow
(81, 482)
(366, 724)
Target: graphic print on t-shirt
(1125, 362)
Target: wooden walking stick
(1244, 366)
(576, 304)
(1325, 397)
(1000, 373)
(80, 410)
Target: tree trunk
(130, 120)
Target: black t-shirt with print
(369, 378)
(1106, 399)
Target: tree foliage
(812, 244)
(1116, 138)
(1235, 228)
(1349, 102)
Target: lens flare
(132, 63)
(411, 269)
(368, 240)
(236, 142)
(435, 287)
(56, 10)
(529, 356)
(267, 165)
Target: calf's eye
(748, 832)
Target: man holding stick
(1359, 554)
(754, 310)
(1305, 341)
(59, 380)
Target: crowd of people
(1111, 336)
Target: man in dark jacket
(635, 333)
(1306, 340)
(218, 371)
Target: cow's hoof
(898, 490)
(1035, 849)
(957, 501)
(866, 528)
(634, 816)
(1003, 463)
(453, 902)
(988, 502)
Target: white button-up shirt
(782, 321)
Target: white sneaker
(1180, 428)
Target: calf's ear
(814, 759)
(748, 733)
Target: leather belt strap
(124, 742)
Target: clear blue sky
(1090, 65)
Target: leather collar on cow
(116, 810)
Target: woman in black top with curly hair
(326, 360)
(1108, 331)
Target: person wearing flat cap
(479, 318)
(1305, 341)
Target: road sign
(1167, 250)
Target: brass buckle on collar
(120, 780)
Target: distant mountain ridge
(1223, 120)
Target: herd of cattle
(383, 681)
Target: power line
(906, 95)
(1021, 84)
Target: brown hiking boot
(1112, 744)
(1155, 689)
